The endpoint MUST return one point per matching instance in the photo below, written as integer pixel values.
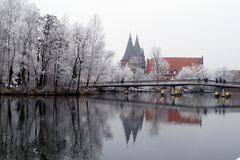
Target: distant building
(236, 75)
(134, 51)
(175, 64)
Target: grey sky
(209, 28)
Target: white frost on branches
(224, 74)
(160, 67)
(193, 72)
(43, 52)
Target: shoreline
(86, 92)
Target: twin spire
(133, 51)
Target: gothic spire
(129, 52)
(137, 47)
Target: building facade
(175, 64)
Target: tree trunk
(10, 76)
(2, 65)
(88, 79)
(79, 76)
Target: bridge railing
(146, 81)
(153, 81)
(163, 81)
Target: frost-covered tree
(80, 40)
(12, 30)
(103, 66)
(236, 75)
(193, 72)
(135, 64)
(95, 49)
(224, 74)
(2, 42)
(26, 69)
(52, 49)
(160, 65)
(119, 72)
(60, 56)
(140, 75)
(42, 52)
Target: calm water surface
(116, 127)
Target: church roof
(133, 51)
(137, 47)
(129, 52)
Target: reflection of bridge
(145, 104)
(170, 83)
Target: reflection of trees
(29, 130)
(89, 125)
(74, 128)
(51, 128)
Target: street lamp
(174, 73)
(134, 71)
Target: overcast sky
(187, 28)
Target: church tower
(129, 52)
(134, 51)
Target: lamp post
(134, 71)
(174, 73)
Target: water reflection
(132, 120)
(55, 128)
(77, 128)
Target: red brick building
(175, 64)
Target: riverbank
(90, 91)
(34, 92)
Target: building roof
(133, 51)
(129, 52)
(137, 48)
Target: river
(135, 126)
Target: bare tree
(36, 52)
(27, 68)
(104, 63)
(96, 47)
(193, 72)
(12, 12)
(160, 65)
(80, 39)
(224, 74)
(119, 72)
